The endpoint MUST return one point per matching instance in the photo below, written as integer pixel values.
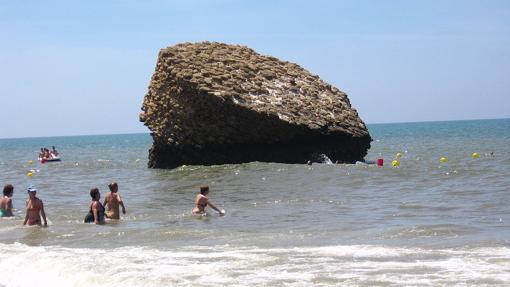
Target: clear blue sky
(83, 67)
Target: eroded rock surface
(213, 103)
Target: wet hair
(204, 189)
(93, 192)
(113, 186)
(8, 189)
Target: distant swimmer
(202, 201)
(112, 201)
(96, 210)
(47, 154)
(6, 201)
(54, 152)
(35, 209)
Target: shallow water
(424, 223)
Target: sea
(424, 222)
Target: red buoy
(380, 162)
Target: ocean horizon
(148, 132)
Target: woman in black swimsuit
(96, 209)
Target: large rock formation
(213, 103)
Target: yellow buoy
(29, 174)
(399, 154)
(30, 162)
(395, 163)
(443, 159)
(475, 155)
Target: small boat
(55, 158)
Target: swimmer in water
(53, 152)
(112, 201)
(202, 201)
(6, 201)
(96, 209)
(35, 209)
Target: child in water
(201, 201)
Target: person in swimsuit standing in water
(35, 209)
(112, 201)
(202, 201)
(96, 209)
(6, 201)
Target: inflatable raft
(56, 158)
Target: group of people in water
(35, 207)
(98, 212)
(110, 207)
(45, 153)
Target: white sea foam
(325, 159)
(24, 265)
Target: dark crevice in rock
(299, 150)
